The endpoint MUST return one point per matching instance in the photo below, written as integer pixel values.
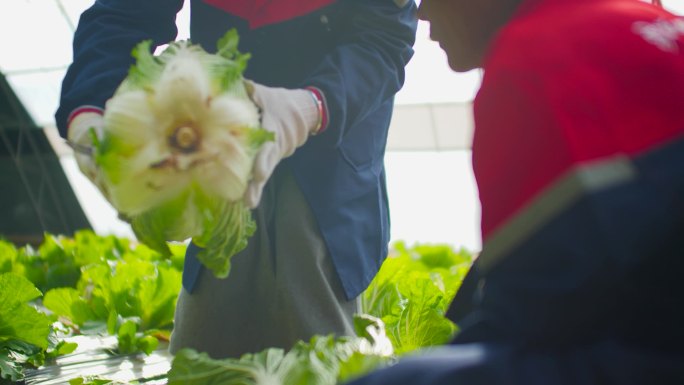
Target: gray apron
(281, 288)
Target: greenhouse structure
(95, 305)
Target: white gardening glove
(80, 139)
(293, 115)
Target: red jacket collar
(259, 13)
(529, 6)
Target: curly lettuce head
(179, 143)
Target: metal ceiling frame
(36, 194)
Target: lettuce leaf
(23, 329)
(324, 360)
(412, 292)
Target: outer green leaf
(192, 368)
(14, 356)
(15, 289)
(413, 290)
(25, 323)
(18, 320)
(257, 137)
(158, 293)
(321, 361)
(421, 321)
(230, 70)
(146, 70)
(62, 348)
(8, 256)
(227, 229)
(10, 368)
(147, 344)
(94, 380)
(67, 302)
(358, 364)
(126, 337)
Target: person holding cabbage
(578, 153)
(321, 77)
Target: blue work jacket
(354, 51)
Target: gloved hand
(293, 115)
(80, 139)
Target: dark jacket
(354, 51)
(578, 154)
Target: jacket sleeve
(106, 34)
(367, 67)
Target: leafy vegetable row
(108, 285)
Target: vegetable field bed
(98, 310)
(94, 359)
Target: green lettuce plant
(412, 292)
(324, 360)
(180, 137)
(26, 334)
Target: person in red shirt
(578, 153)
